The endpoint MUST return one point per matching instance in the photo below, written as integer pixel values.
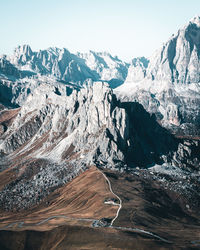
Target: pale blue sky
(127, 28)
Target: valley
(145, 218)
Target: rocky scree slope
(54, 137)
(169, 83)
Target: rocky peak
(24, 49)
(140, 61)
(169, 86)
(178, 59)
(64, 54)
(54, 50)
(195, 20)
(108, 68)
(137, 69)
(22, 54)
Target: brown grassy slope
(146, 205)
(77, 237)
(83, 197)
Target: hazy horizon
(126, 29)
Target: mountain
(69, 67)
(56, 62)
(178, 60)
(169, 84)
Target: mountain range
(63, 113)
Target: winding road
(21, 223)
(128, 228)
(120, 201)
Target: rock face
(55, 137)
(178, 60)
(92, 123)
(84, 119)
(169, 85)
(14, 91)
